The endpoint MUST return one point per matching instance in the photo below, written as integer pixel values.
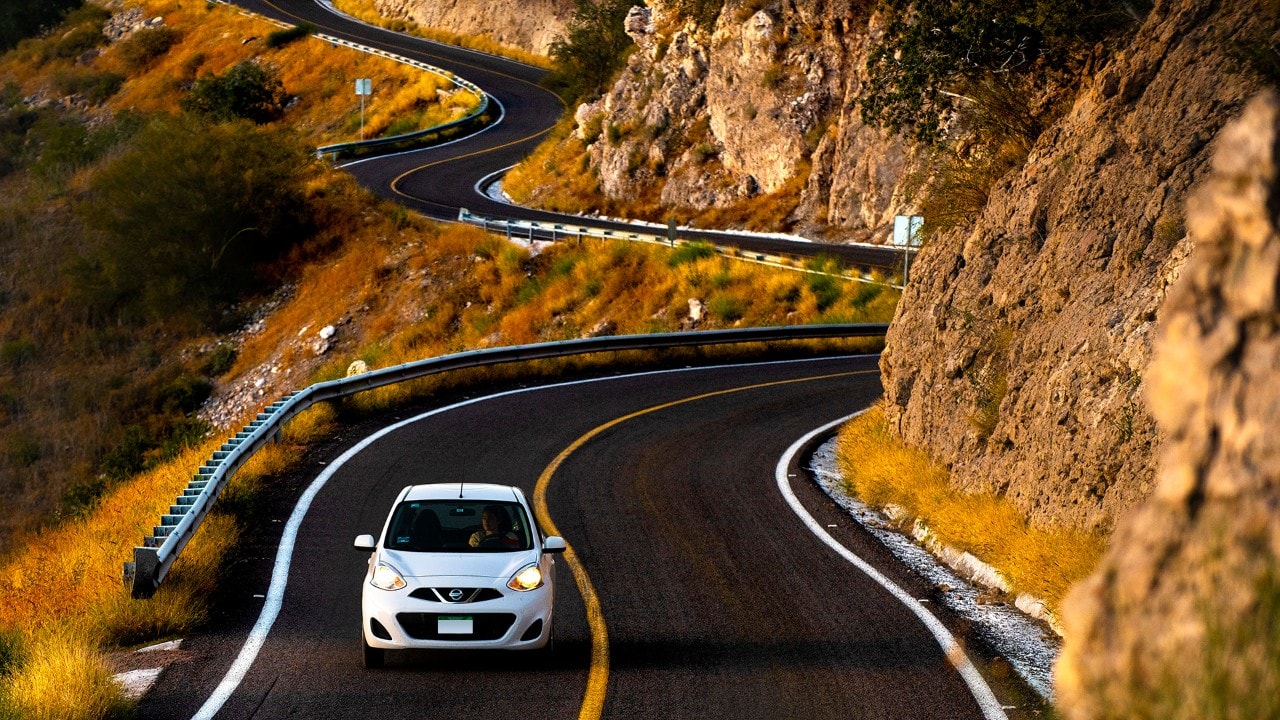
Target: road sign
(364, 86)
(906, 230)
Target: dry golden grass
(213, 38)
(65, 680)
(62, 592)
(881, 471)
(366, 11)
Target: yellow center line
(598, 676)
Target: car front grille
(485, 626)
(463, 595)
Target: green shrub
(145, 45)
(727, 308)
(930, 47)
(23, 450)
(11, 651)
(93, 86)
(17, 352)
(247, 91)
(690, 252)
(80, 32)
(185, 218)
(594, 47)
(220, 361)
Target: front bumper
(422, 616)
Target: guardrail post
(141, 573)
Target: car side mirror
(554, 544)
(366, 543)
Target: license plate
(454, 625)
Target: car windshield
(459, 526)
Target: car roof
(469, 491)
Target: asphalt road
(718, 600)
(439, 181)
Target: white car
(458, 566)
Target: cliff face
(704, 118)
(1017, 354)
(1185, 604)
(1018, 351)
(528, 24)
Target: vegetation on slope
(140, 227)
(130, 227)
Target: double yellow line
(598, 676)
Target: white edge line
(986, 699)
(284, 555)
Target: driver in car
(496, 529)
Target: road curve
(439, 181)
(718, 600)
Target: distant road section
(439, 181)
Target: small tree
(247, 91)
(594, 48)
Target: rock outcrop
(767, 98)
(1186, 603)
(1019, 347)
(527, 24)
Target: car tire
(371, 657)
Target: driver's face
(490, 522)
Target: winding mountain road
(718, 600)
(714, 596)
(441, 180)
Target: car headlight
(386, 577)
(528, 578)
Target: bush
(247, 91)
(727, 308)
(220, 362)
(594, 48)
(145, 45)
(95, 87)
(81, 31)
(185, 217)
(690, 252)
(10, 651)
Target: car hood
(479, 564)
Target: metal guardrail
(477, 117)
(153, 559)
(529, 230)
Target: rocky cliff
(763, 102)
(528, 24)
(1018, 351)
(1186, 603)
